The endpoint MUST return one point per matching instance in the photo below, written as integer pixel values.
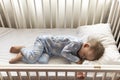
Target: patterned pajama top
(67, 47)
(46, 46)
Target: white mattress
(10, 37)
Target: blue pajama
(46, 46)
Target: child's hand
(80, 75)
(79, 62)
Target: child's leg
(16, 58)
(44, 58)
(15, 49)
(32, 55)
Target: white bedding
(26, 37)
(10, 37)
(103, 33)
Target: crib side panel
(114, 20)
(59, 72)
(53, 13)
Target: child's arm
(70, 52)
(79, 62)
(80, 75)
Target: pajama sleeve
(70, 51)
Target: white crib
(63, 14)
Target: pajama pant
(35, 54)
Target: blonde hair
(97, 47)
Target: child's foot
(15, 49)
(16, 59)
(80, 75)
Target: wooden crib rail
(59, 67)
(65, 69)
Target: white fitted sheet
(26, 37)
(10, 37)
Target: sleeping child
(71, 48)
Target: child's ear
(86, 45)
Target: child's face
(86, 52)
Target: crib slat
(114, 76)
(56, 75)
(113, 2)
(22, 14)
(9, 75)
(29, 16)
(2, 22)
(66, 75)
(80, 11)
(116, 17)
(43, 14)
(104, 76)
(119, 47)
(117, 28)
(57, 14)
(47, 78)
(65, 14)
(94, 77)
(6, 14)
(14, 14)
(19, 75)
(72, 17)
(20, 25)
(94, 16)
(88, 9)
(28, 75)
(75, 78)
(37, 73)
(1, 77)
(85, 73)
(18, 20)
(50, 14)
(114, 14)
(118, 38)
(103, 10)
(36, 16)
